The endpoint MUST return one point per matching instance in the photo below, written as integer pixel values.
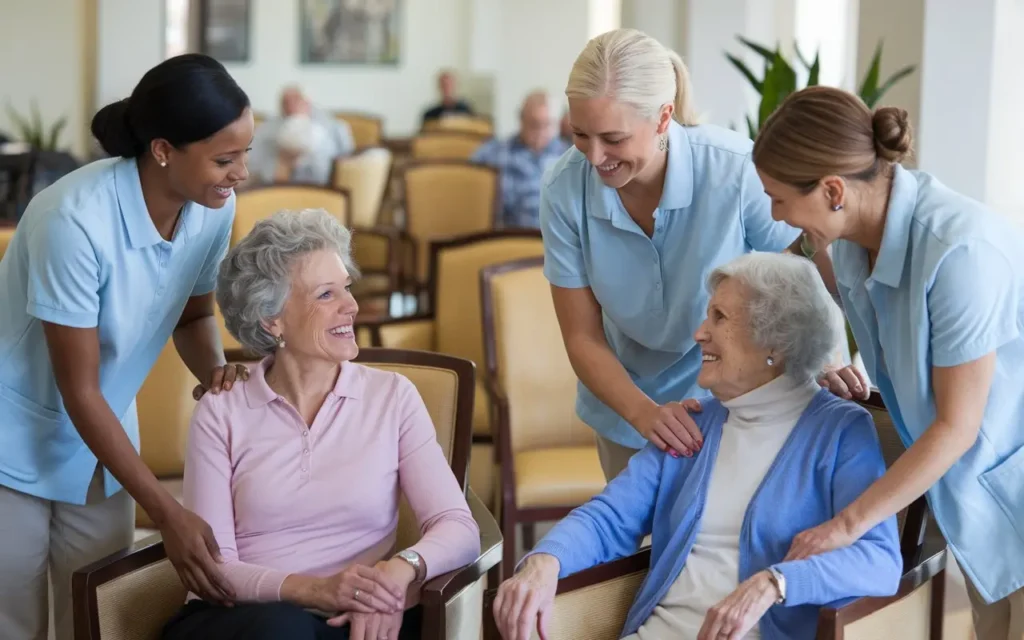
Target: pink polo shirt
(283, 499)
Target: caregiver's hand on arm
(524, 599)
(741, 610)
(188, 540)
(668, 426)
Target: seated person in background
(565, 128)
(451, 104)
(299, 469)
(299, 146)
(522, 160)
(780, 454)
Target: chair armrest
(86, 581)
(411, 332)
(443, 588)
(932, 568)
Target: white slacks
(37, 536)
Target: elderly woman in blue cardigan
(779, 455)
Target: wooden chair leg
(508, 532)
(529, 535)
(938, 603)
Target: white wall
(1004, 188)
(130, 41)
(434, 36)
(41, 46)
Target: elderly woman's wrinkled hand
(370, 626)
(360, 589)
(828, 536)
(737, 614)
(670, 427)
(847, 383)
(524, 599)
(221, 378)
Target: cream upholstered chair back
(476, 125)
(445, 200)
(6, 235)
(367, 130)
(595, 613)
(444, 145)
(165, 407)
(259, 203)
(529, 359)
(365, 177)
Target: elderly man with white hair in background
(522, 160)
(300, 145)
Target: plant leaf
(761, 50)
(888, 84)
(801, 58)
(37, 126)
(55, 134)
(815, 71)
(869, 86)
(745, 70)
(778, 84)
(751, 128)
(24, 131)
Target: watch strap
(780, 582)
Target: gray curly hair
(791, 311)
(255, 277)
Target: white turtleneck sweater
(753, 434)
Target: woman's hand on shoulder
(670, 427)
(221, 378)
(847, 382)
(741, 610)
(524, 599)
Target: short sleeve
(762, 233)
(973, 304)
(63, 273)
(486, 153)
(563, 251)
(207, 281)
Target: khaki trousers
(614, 457)
(1001, 620)
(37, 536)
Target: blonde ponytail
(685, 113)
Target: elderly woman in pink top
(298, 469)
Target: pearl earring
(280, 342)
(163, 164)
(771, 361)
(837, 207)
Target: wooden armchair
(444, 199)
(132, 594)
(258, 203)
(547, 456)
(452, 325)
(593, 603)
(479, 125)
(367, 129)
(446, 145)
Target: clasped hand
(371, 600)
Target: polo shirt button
(303, 468)
(305, 434)
(657, 285)
(305, 451)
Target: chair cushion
(557, 477)
(481, 410)
(137, 605)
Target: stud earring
(837, 207)
(280, 341)
(663, 143)
(771, 361)
(163, 164)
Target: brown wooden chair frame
(410, 249)
(925, 564)
(435, 593)
(511, 514)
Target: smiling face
(615, 139)
(732, 363)
(318, 316)
(811, 212)
(206, 172)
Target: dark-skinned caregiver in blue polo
(933, 286)
(105, 266)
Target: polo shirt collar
(141, 230)
(350, 384)
(892, 255)
(677, 192)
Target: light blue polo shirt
(947, 288)
(653, 291)
(86, 254)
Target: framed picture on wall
(224, 29)
(350, 32)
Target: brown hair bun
(893, 136)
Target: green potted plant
(780, 79)
(33, 132)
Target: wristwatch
(416, 561)
(780, 582)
